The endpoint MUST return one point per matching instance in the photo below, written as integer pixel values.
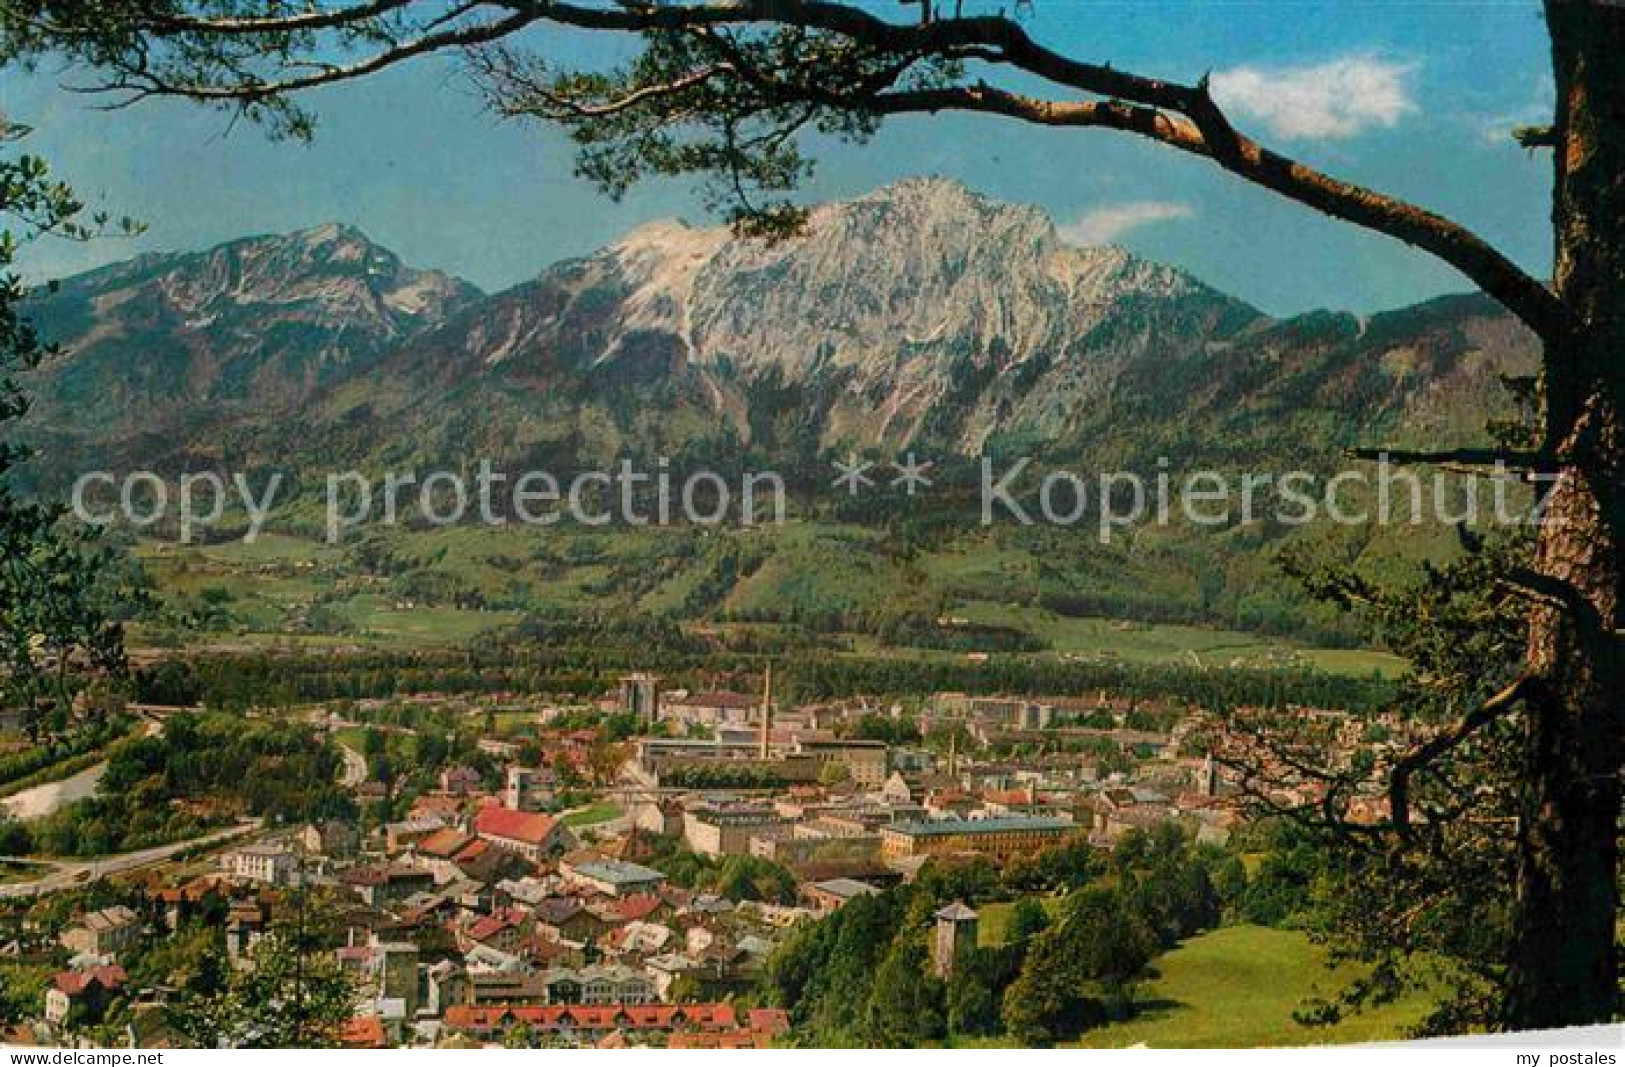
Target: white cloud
(1332, 100)
(1106, 224)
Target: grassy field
(354, 737)
(995, 920)
(451, 587)
(1237, 988)
(593, 814)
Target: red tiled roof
(195, 890)
(528, 827)
(382, 874)
(769, 1020)
(73, 983)
(364, 1031)
(443, 844)
(473, 850)
(437, 805)
(554, 910)
(489, 926)
(1008, 796)
(729, 1040)
(634, 1017)
(637, 907)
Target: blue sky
(1412, 98)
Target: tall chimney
(767, 706)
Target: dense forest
(201, 771)
(590, 667)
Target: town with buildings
(545, 893)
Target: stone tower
(955, 936)
(640, 696)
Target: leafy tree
(1063, 868)
(823, 971)
(294, 996)
(905, 1007)
(22, 991)
(974, 987)
(604, 760)
(875, 727)
(520, 1036)
(1282, 888)
(1028, 919)
(833, 773)
(59, 588)
(1166, 882)
(1425, 890)
(192, 960)
(1075, 973)
(945, 879)
(754, 878)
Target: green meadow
(1238, 987)
(1068, 598)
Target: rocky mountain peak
(332, 274)
(921, 314)
(263, 320)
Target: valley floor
(1237, 987)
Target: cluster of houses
(481, 914)
(457, 930)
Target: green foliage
(738, 132)
(217, 763)
(22, 991)
(974, 986)
(734, 877)
(905, 1008)
(824, 970)
(294, 996)
(903, 730)
(1061, 869)
(753, 878)
(60, 753)
(1028, 919)
(1075, 975)
(1281, 891)
(192, 961)
(1167, 883)
(862, 976)
(946, 879)
(59, 588)
(1434, 900)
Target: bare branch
(1520, 293)
(250, 91)
(557, 105)
(1464, 458)
(1426, 752)
(310, 20)
(1560, 596)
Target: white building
(270, 864)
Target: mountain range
(920, 316)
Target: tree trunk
(1564, 965)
